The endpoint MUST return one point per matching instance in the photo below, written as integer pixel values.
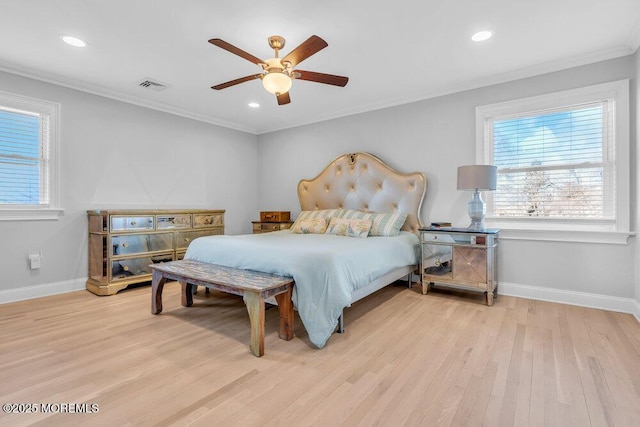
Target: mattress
(326, 268)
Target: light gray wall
(117, 155)
(435, 136)
(635, 175)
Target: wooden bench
(254, 287)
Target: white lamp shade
(477, 177)
(276, 82)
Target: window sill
(574, 236)
(30, 214)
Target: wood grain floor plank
(406, 359)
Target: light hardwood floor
(405, 359)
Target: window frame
(53, 209)
(616, 231)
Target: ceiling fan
(278, 73)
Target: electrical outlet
(35, 259)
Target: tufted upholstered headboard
(363, 182)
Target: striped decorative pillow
(383, 224)
(349, 227)
(320, 213)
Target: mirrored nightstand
(462, 258)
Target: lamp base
(477, 226)
(477, 210)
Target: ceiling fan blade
(235, 50)
(329, 79)
(310, 46)
(236, 81)
(283, 98)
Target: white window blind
(29, 185)
(24, 158)
(555, 163)
(563, 164)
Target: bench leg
(255, 307)
(157, 284)
(286, 314)
(187, 294)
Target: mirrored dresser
(123, 243)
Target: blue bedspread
(326, 268)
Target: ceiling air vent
(153, 84)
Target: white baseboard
(583, 299)
(637, 311)
(37, 291)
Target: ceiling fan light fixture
(276, 82)
(277, 73)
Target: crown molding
(532, 71)
(633, 41)
(535, 70)
(116, 95)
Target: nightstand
(459, 257)
(266, 227)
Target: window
(28, 158)
(562, 160)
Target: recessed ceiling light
(254, 105)
(481, 36)
(73, 41)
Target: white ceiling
(392, 51)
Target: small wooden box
(280, 216)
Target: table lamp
(477, 178)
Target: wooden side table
(462, 258)
(266, 227)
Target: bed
(333, 271)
